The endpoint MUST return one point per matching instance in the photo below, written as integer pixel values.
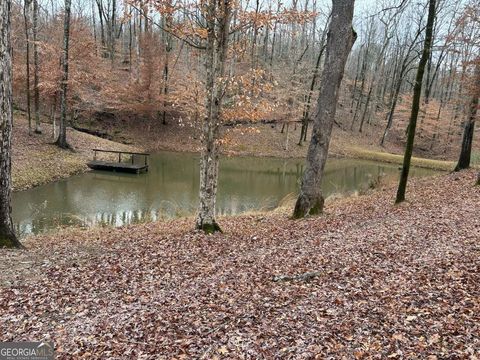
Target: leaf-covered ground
(393, 282)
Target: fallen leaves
(393, 282)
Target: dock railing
(120, 153)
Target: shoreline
(163, 277)
(283, 206)
(36, 161)
(386, 158)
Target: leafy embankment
(36, 160)
(387, 281)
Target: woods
(417, 90)
(224, 179)
(129, 59)
(217, 15)
(62, 135)
(7, 235)
(340, 39)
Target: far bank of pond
(170, 189)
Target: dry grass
(359, 153)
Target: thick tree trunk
(417, 91)
(218, 24)
(339, 43)
(62, 134)
(7, 234)
(469, 128)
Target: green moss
(317, 208)
(9, 242)
(475, 158)
(303, 205)
(210, 228)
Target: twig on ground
(301, 277)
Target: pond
(170, 189)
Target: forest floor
(36, 160)
(390, 281)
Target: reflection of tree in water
(170, 189)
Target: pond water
(170, 189)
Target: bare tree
(36, 92)
(399, 79)
(417, 91)
(340, 39)
(307, 106)
(218, 15)
(27, 17)
(7, 234)
(469, 127)
(62, 136)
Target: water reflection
(170, 189)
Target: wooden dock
(129, 166)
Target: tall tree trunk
(27, 17)
(363, 75)
(112, 32)
(218, 24)
(443, 92)
(165, 81)
(374, 79)
(357, 73)
(62, 135)
(168, 49)
(469, 128)
(94, 23)
(7, 234)
(306, 110)
(398, 85)
(340, 40)
(102, 28)
(417, 91)
(393, 105)
(36, 92)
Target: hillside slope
(390, 281)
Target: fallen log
(301, 277)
